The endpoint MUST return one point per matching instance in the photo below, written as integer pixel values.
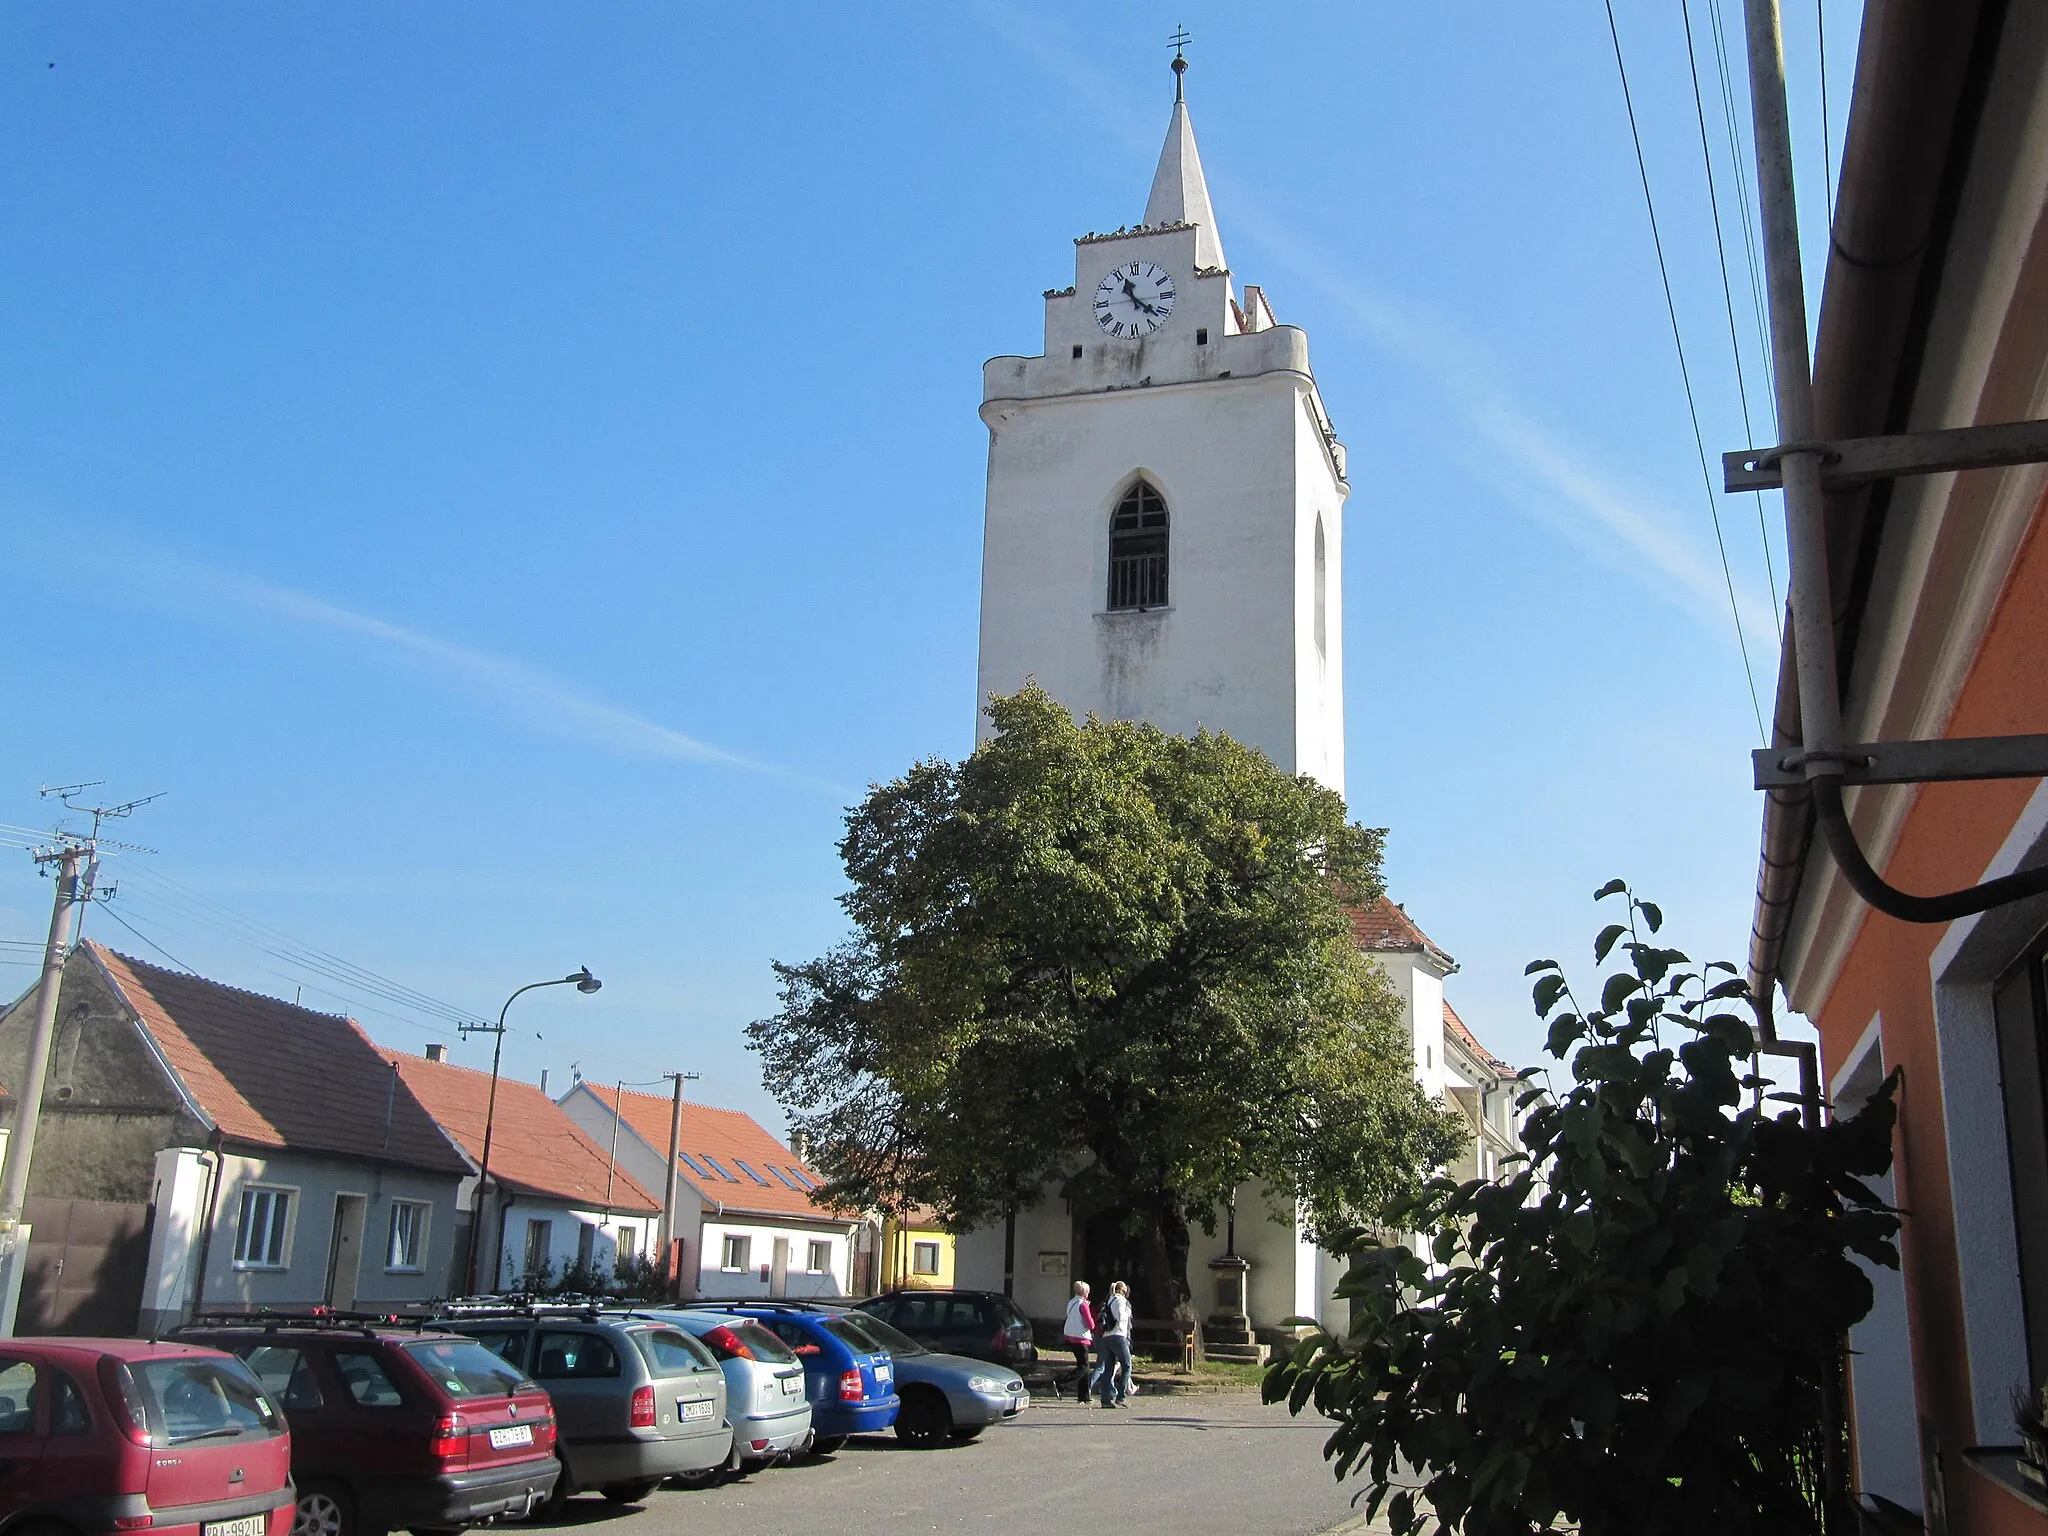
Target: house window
(695, 1167)
(1201, 335)
(718, 1168)
(924, 1258)
(748, 1170)
(736, 1250)
(628, 1240)
(1137, 551)
(263, 1227)
(408, 1236)
(2020, 1005)
(821, 1257)
(540, 1241)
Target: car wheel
(924, 1420)
(323, 1510)
(828, 1445)
(962, 1436)
(631, 1493)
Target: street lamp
(583, 982)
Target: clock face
(1134, 299)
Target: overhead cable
(1685, 374)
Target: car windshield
(206, 1399)
(886, 1335)
(464, 1368)
(848, 1331)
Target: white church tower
(1165, 495)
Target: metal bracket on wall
(1913, 762)
(1852, 461)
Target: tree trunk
(1166, 1251)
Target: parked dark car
(849, 1381)
(984, 1324)
(638, 1400)
(395, 1426)
(99, 1436)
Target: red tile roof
(272, 1074)
(720, 1139)
(1385, 925)
(1457, 1027)
(536, 1148)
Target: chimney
(543, 1082)
(437, 1053)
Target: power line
(1827, 137)
(152, 943)
(1736, 161)
(1728, 300)
(1684, 373)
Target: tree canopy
(1112, 960)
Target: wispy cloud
(1546, 476)
(537, 699)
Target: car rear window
(765, 1345)
(894, 1340)
(464, 1368)
(206, 1399)
(847, 1331)
(671, 1352)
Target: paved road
(1210, 1462)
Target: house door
(84, 1269)
(345, 1252)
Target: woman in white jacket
(1080, 1333)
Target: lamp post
(584, 982)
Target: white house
(558, 1206)
(745, 1219)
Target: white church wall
(1421, 990)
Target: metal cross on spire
(1179, 42)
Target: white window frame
(726, 1251)
(244, 1203)
(625, 1245)
(393, 1264)
(818, 1246)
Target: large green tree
(1114, 960)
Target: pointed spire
(1180, 195)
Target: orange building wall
(1951, 833)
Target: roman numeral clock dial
(1134, 299)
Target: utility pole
(671, 1271)
(77, 861)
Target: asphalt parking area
(1221, 1462)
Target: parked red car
(99, 1436)
(394, 1425)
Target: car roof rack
(587, 1308)
(271, 1319)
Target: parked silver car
(764, 1384)
(637, 1399)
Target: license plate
(791, 1385)
(881, 1373)
(248, 1525)
(511, 1434)
(686, 1410)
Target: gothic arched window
(1137, 550)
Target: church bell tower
(1165, 492)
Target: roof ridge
(208, 981)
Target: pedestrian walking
(1080, 1333)
(1115, 1347)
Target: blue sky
(510, 472)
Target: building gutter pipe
(1902, 165)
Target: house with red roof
(203, 1146)
(557, 1207)
(747, 1220)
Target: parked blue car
(851, 1384)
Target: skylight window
(804, 1178)
(718, 1167)
(749, 1172)
(694, 1166)
(792, 1183)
